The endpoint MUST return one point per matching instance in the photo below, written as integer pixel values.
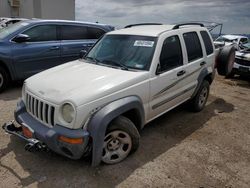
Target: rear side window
(193, 46)
(71, 32)
(95, 33)
(42, 33)
(171, 54)
(207, 42)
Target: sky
(234, 14)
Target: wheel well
(6, 68)
(209, 78)
(134, 116)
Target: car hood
(80, 82)
(243, 55)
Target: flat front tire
(122, 137)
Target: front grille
(40, 110)
(242, 62)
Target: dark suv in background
(32, 46)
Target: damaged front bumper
(40, 136)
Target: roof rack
(177, 26)
(134, 25)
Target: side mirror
(83, 53)
(158, 69)
(21, 38)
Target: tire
(230, 75)
(4, 79)
(199, 101)
(122, 138)
(226, 60)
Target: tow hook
(35, 145)
(32, 145)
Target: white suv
(100, 103)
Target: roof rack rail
(134, 25)
(177, 26)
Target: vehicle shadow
(12, 92)
(242, 81)
(162, 134)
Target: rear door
(41, 52)
(75, 38)
(208, 49)
(195, 59)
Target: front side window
(42, 33)
(5, 32)
(193, 46)
(124, 51)
(171, 54)
(71, 32)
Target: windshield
(124, 51)
(246, 46)
(223, 39)
(4, 32)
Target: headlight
(68, 112)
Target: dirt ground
(179, 149)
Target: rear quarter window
(193, 46)
(207, 41)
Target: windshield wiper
(93, 59)
(122, 66)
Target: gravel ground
(179, 149)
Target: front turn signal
(71, 140)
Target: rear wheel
(4, 79)
(121, 138)
(199, 101)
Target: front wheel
(199, 101)
(121, 138)
(4, 79)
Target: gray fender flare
(201, 77)
(100, 121)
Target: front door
(167, 86)
(41, 52)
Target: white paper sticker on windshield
(144, 43)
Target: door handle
(54, 48)
(180, 73)
(202, 63)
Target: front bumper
(241, 69)
(48, 136)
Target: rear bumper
(49, 136)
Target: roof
(65, 21)
(144, 30)
(233, 37)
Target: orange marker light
(71, 140)
(26, 132)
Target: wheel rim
(1, 80)
(117, 145)
(203, 97)
(231, 62)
